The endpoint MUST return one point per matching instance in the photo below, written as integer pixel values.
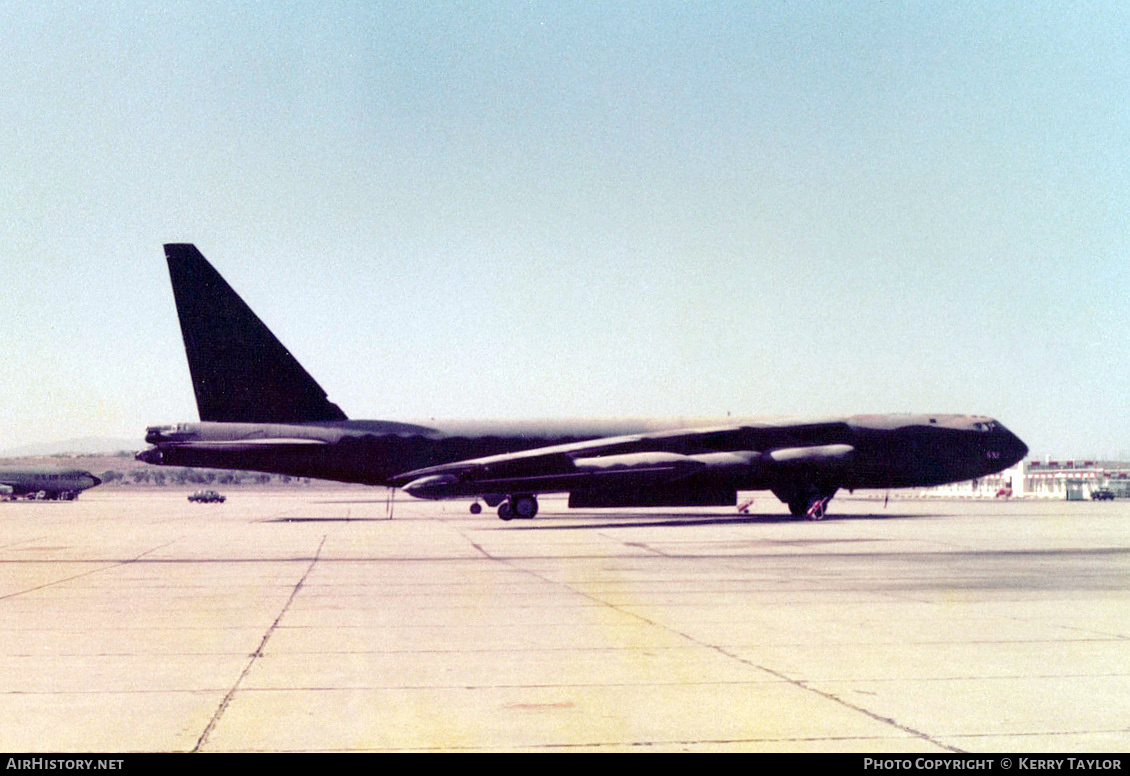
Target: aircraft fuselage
(866, 451)
(51, 483)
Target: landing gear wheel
(524, 506)
(504, 511)
(817, 509)
(812, 506)
(476, 508)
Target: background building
(1065, 480)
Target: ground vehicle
(1102, 494)
(207, 497)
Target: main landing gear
(523, 506)
(812, 504)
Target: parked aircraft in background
(44, 482)
(260, 410)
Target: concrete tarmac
(308, 620)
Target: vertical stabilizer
(240, 371)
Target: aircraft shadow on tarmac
(677, 520)
(549, 522)
(326, 520)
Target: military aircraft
(44, 482)
(261, 410)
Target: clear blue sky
(548, 209)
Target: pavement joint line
(110, 564)
(805, 686)
(258, 653)
(783, 677)
(1032, 734)
(17, 543)
(663, 744)
(836, 699)
(778, 674)
(915, 556)
(800, 684)
(638, 545)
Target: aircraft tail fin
(240, 371)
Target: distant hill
(82, 446)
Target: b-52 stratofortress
(44, 482)
(260, 410)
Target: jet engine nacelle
(823, 456)
(437, 486)
(661, 461)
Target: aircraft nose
(1021, 449)
(1012, 448)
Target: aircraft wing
(686, 466)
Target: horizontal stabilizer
(240, 371)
